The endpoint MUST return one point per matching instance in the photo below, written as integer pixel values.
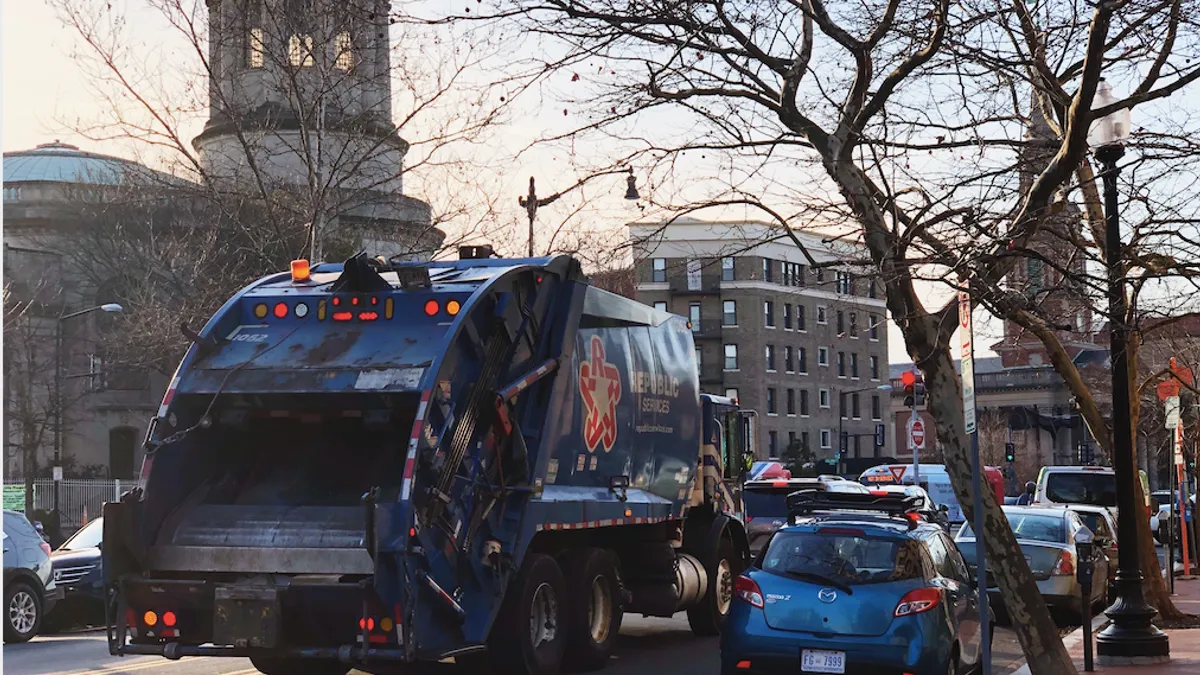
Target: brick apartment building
(799, 344)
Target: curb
(1073, 639)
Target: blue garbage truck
(377, 464)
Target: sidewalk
(1185, 643)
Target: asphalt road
(647, 647)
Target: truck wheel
(23, 612)
(594, 608)
(706, 618)
(529, 634)
(270, 665)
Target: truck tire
(593, 616)
(22, 611)
(722, 566)
(272, 665)
(529, 634)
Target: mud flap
(246, 616)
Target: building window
(874, 367)
(841, 364)
(854, 365)
(871, 292)
(823, 398)
(804, 439)
(854, 325)
(770, 358)
(769, 313)
(694, 316)
(800, 319)
(804, 403)
(791, 402)
(857, 446)
(876, 408)
(789, 361)
(792, 440)
(771, 401)
(856, 410)
(699, 358)
(823, 356)
(820, 272)
(731, 357)
(300, 51)
(256, 56)
(727, 269)
(802, 360)
(729, 313)
(845, 283)
(822, 315)
(841, 322)
(873, 328)
(659, 273)
(787, 316)
(732, 393)
(842, 405)
(768, 270)
(772, 442)
(793, 274)
(344, 59)
(122, 445)
(660, 306)
(826, 439)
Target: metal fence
(79, 501)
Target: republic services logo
(600, 385)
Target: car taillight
(45, 547)
(748, 591)
(918, 600)
(749, 518)
(1065, 565)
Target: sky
(45, 93)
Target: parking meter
(1085, 549)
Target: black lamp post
(58, 397)
(1130, 638)
(531, 202)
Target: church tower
(1050, 271)
(300, 100)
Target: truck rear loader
(377, 463)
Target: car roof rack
(804, 502)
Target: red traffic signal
(908, 378)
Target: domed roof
(62, 163)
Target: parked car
(766, 508)
(77, 569)
(853, 586)
(1103, 525)
(1046, 536)
(934, 513)
(29, 588)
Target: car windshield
(1099, 489)
(1035, 527)
(845, 557)
(89, 536)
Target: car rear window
(1035, 527)
(1099, 489)
(766, 502)
(846, 556)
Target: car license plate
(822, 661)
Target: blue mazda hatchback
(855, 584)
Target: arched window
(122, 444)
(300, 40)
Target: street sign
(880, 432)
(916, 432)
(897, 472)
(14, 497)
(1171, 406)
(968, 360)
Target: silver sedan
(1047, 538)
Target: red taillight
(743, 665)
(917, 601)
(168, 619)
(879, 493)
(749, 518)
(1065, 565)
(748, 591)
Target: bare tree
(949, 138)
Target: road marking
(144, 665)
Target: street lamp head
(1113, 128)
(884, 387)
(631, 192)
(111, 307)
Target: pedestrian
(1026, 497)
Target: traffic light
(919, 393)
(909, 379)
(1010, 452)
